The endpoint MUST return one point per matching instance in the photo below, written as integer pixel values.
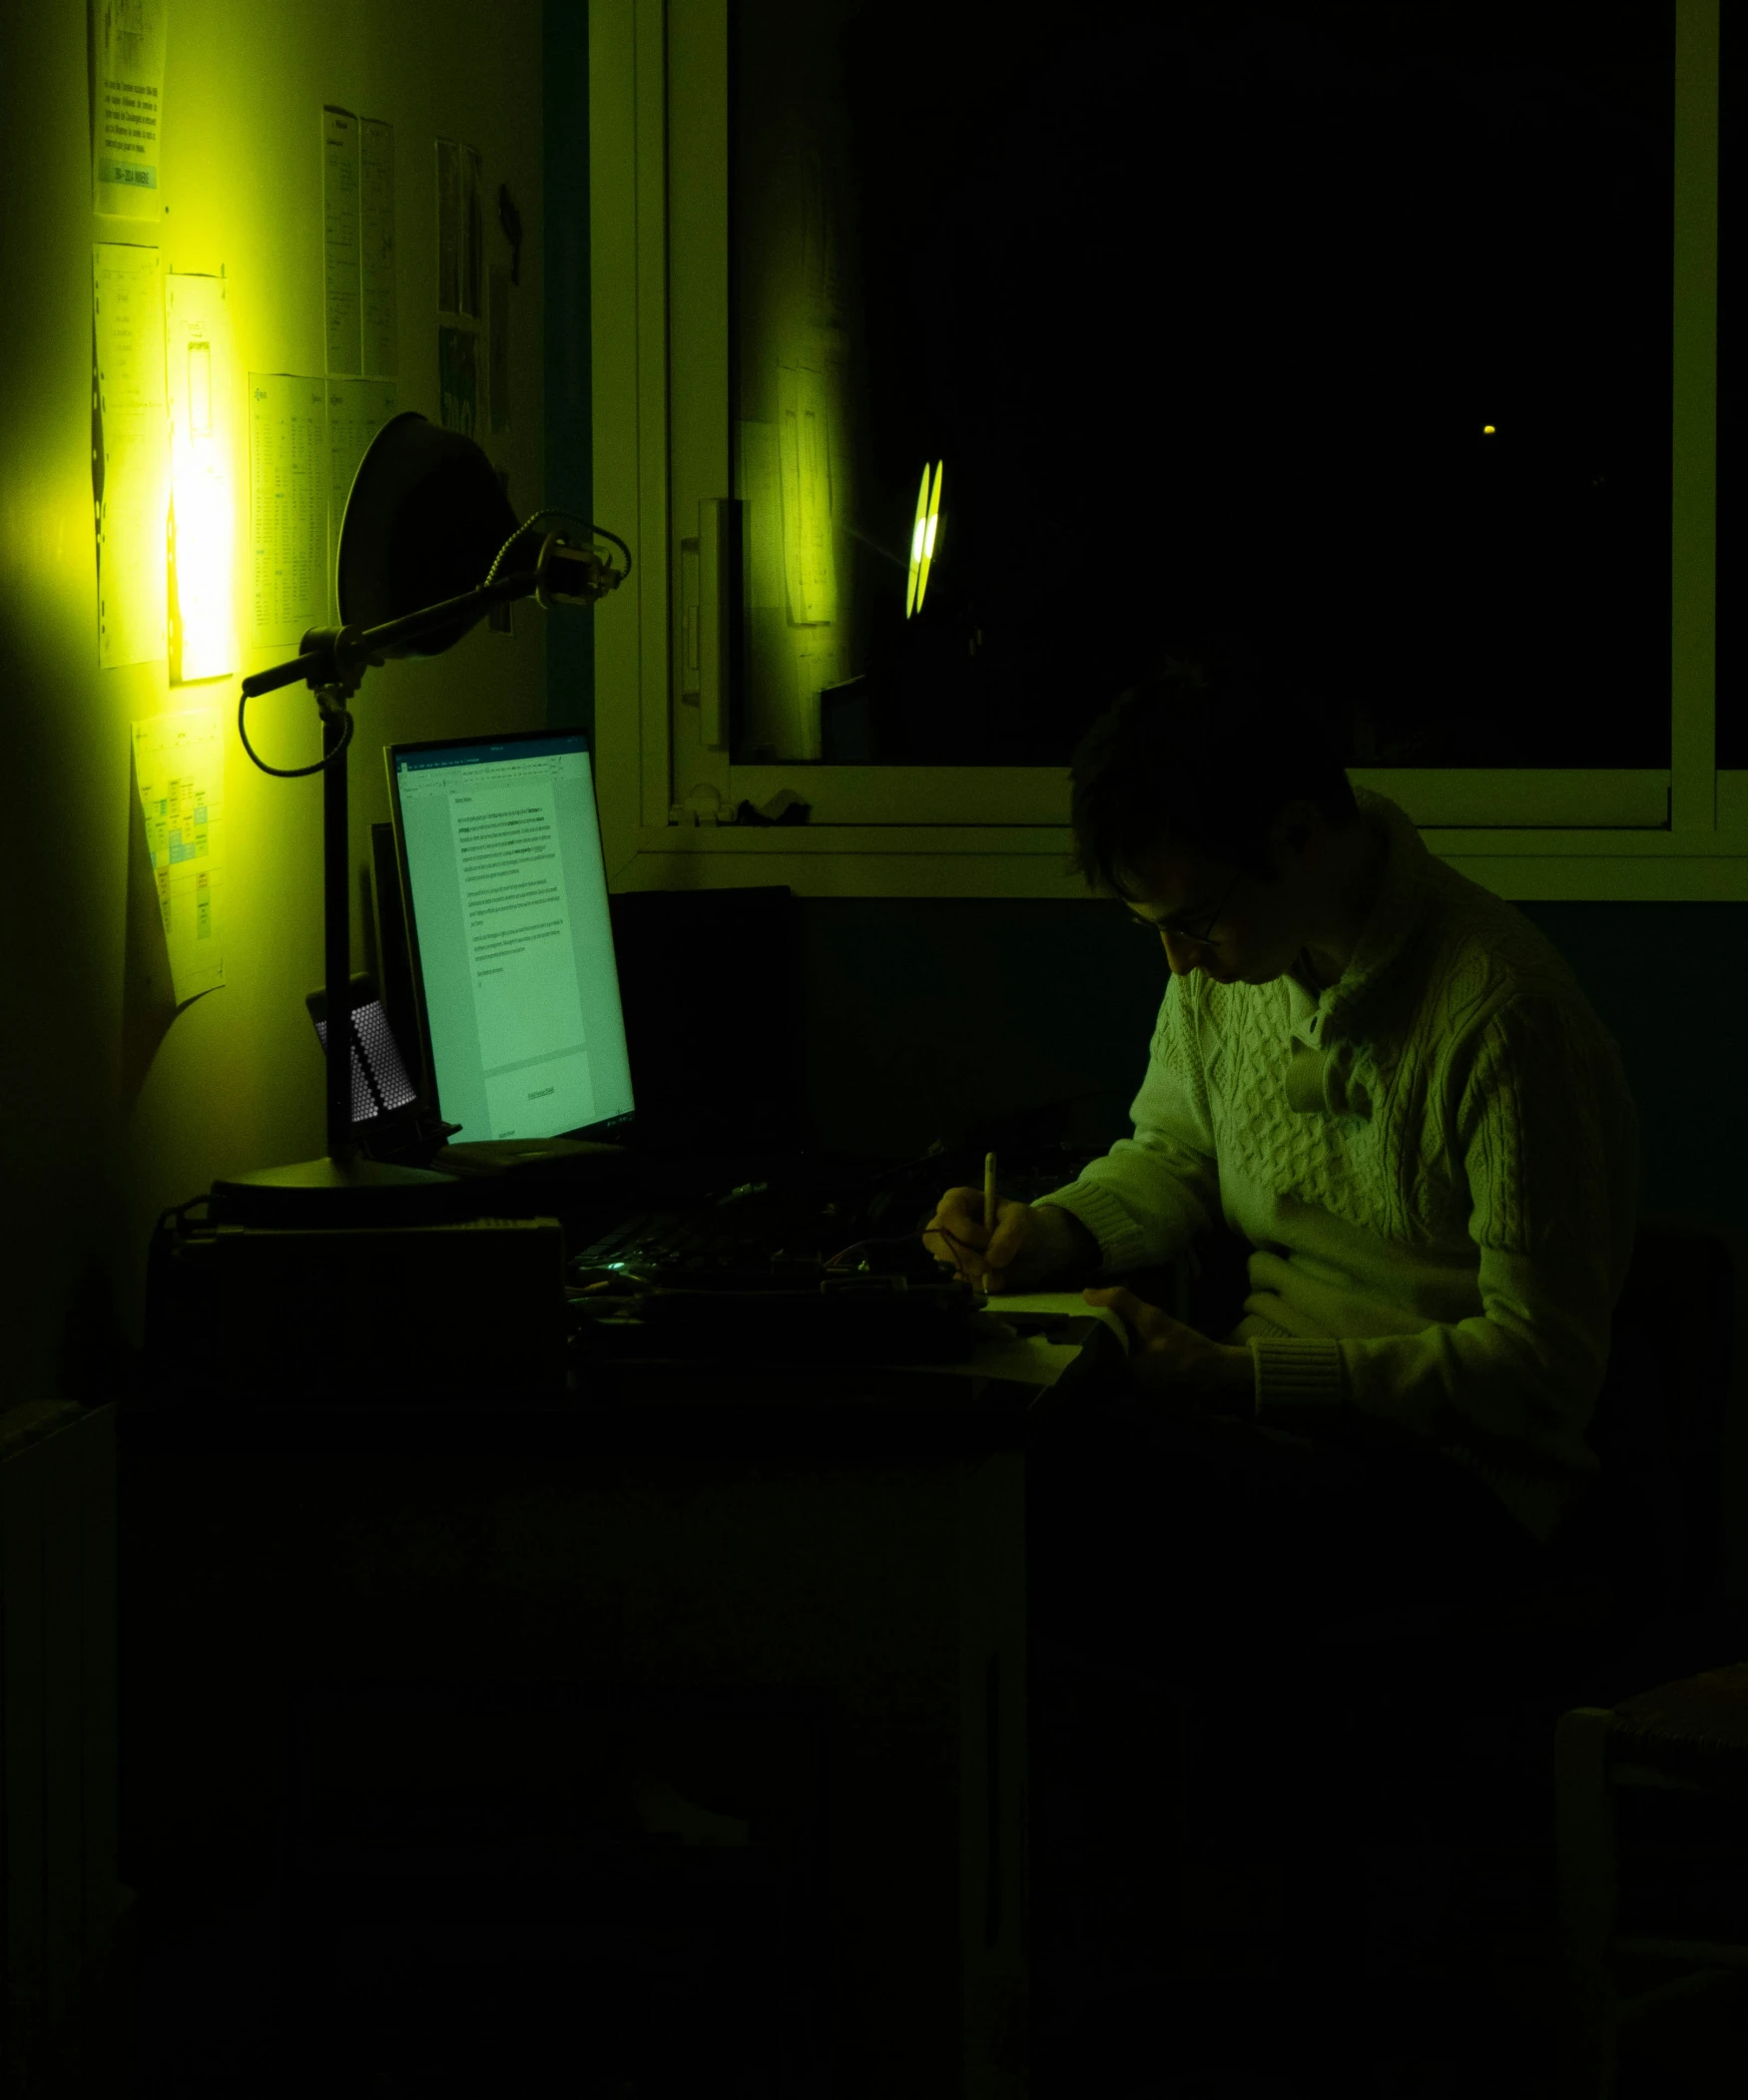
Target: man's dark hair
(1199, 758)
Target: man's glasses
(1203, 938)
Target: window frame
(659, 304)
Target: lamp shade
(423, 523)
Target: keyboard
(746, 1240)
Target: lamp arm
(339, 656)
(307, 666)
(373, 641)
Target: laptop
(509, 938)
(511, 985)
(504, 959)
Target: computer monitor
(510, 941)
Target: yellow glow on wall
(922, 538)
(1486, 430)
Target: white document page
(288, 507)
(339, 238)
(128, 42)
(517, 910)
(381, 311)
(131, 462)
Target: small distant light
(1486, 430)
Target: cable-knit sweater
(1435, 1163)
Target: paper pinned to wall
(179, 765)
(197, 359)
(340, 240)
(288, 507)
(356, 410)
(382, 310)
(130, 455)
(127, 62)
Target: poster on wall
(129, 455)
(472, 232)
(460, 230)
(198, 363)
(362, 310)
(179, 771)
(127, 40)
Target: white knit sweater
(1435, 1163)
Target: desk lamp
(427, 548)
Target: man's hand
(1027, 1250)
(1177, 1362)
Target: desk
(778, 1616)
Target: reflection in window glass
(1347, 323)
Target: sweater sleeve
(1154, 1193)
(1547, 1133)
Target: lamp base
(325, 1192)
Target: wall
(117, 1103)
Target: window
(1353, 318)
(1732, 530)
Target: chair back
(1653, 1527)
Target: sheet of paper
(130, 454)
(498, 342)
(203, 504)
(356, 410)
(340, 240)
(449, 227)
(288, 507)
(382, 310)
(127, 42)
(1038, 1310)
(179, 765)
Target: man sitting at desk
(1389, 1083)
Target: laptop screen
(509, 936)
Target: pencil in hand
(989, 1209)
